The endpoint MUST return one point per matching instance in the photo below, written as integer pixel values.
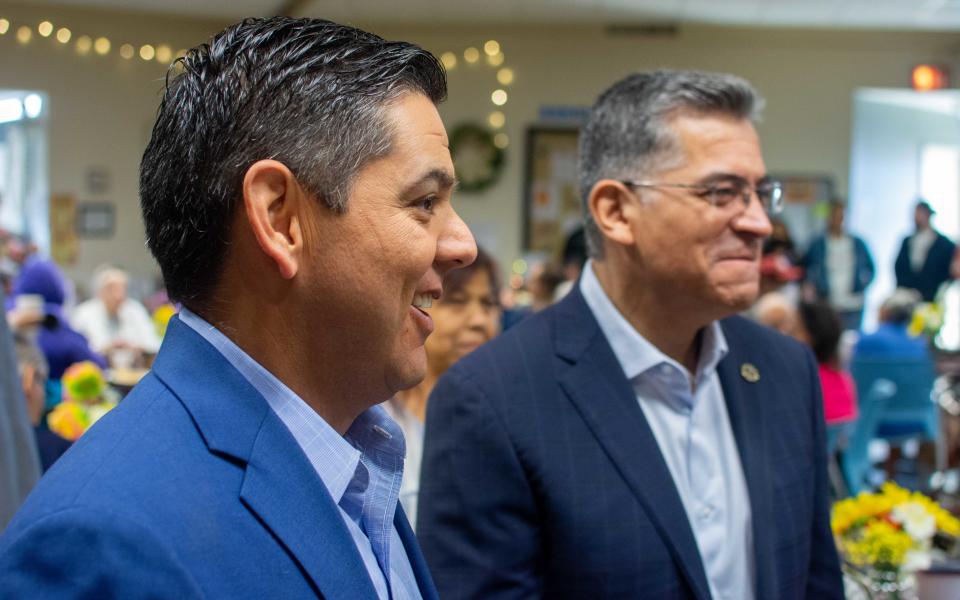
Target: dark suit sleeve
(824, 579)
(77, 554)
(902, 268)
(477, 521)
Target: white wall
(890, 128)
(102, 108)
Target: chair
(895, 404)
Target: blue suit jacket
(192, 487)
(935, 269)
(815, 263)
(541, 477)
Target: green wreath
(477, 160)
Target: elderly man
(296, 194)
(116, 326)
(636, 440)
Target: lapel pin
(749, 372)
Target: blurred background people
(819, 327)
(924, 260)
(891, 340)
(839, 267)
(116, 326)
(33, 371)
(19, 463)
(779, 267)
(40, 287)
(775, 310)
(467, 316)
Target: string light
(102, 46)
(471, 55)
(4, 26)
(164, 54)
(499, 97)
(495, 60)
(449, 60)
(496, 119)
(492, 48)
(45, 28)
(505, 76)
(501, 140)
(147, 52)
(127, 51)
(24, 34)
(84, 43)
(63, 35)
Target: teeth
(422, 300)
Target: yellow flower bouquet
(885, 537)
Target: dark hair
(824, 328)
(457, 279)
(627, 134)
(306, 92)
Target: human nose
(456, 247)
(753, 219)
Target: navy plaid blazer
(541, 477)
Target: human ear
(611, 206)
(272, 200)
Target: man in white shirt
(635, 440)
(115, 325)
(923, 263)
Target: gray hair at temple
(628, 134)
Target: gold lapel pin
(749, 372)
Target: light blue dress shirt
(688, 416)
(362, 470)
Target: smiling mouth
(422, 301)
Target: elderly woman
(467, 316)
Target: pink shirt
(839, 395)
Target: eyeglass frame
(708, 191)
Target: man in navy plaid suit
(637, 440)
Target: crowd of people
(342, 368)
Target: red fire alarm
(928, 77)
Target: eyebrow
(442, 177)
(730, 177)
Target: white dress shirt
(688, 416)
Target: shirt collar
(634, 352)
(334, 457)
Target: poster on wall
(551, 195)
(63, 234)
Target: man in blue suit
(296, 194)
(925, 257)
(636, 440)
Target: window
(23, 166)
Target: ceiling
(880, 14)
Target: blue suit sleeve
(75, 554)
(477, 519)
(824, 579)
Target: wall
(101, 108)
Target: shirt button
(704, 513)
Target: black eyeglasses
(725, 193)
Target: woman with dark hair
(467, 316)
(821, 329)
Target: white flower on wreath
(916, 521)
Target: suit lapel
(605, 399)
(280, 486)
(747, 411)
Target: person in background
(32, 368)
(61, 345)
(820, 328)
(776, 311)
(465, 318)
(923, 263)
(637, 439)
(574, 257)
(839, 268)
(19, 461)
(779, 269)
(116, 326)
(891, 341)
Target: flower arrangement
(84, 388)
(886, 535)
(927, 320)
